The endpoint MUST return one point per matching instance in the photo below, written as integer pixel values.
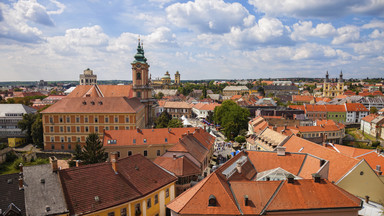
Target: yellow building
(130, 186)
(333, 89)
(165, 82)
(16, 141)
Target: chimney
(138, 130)
(280, 151)
(174, 156)
(378, 170)
(291, 178)
(169, 130)
(21, 184)
(274, 128)
(21, 168)
(316, 177)
(322, 162)
(367, 199)
(114, 161)
(238, 166)
(78, 163)
(246, 200)
(205, 127)
(53, 161)
(285, 127)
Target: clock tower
(141, 83)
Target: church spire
(327, 77)
(341, 76)
(139, 57)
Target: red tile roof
(339, 164)
(369, 118)
(302, 98)
(298, 107)
(152, 136)
(180, 166)
(335, 108)
(204, 106)
(136, 177)
(102, 91)
(315, 108)
(177, 104)
(96, 105)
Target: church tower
(177, 78)
(141, 83)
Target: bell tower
(141, 83)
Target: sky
(202, 39)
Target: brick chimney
(291, 178)
(274, 128)
(378, 170)
(54, 165)
(174, 156)
(78, 163)
(21, 168)
(238, 166)
(316, 177)
(280, 151)
(246, 200)
(21, 184)
(114, 161)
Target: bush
(11, 156)
(375, 144)
(16, 163)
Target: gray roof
(10, 193)
(377, 119)
(41, 196)
(15, 109)
(235, 88)
(215, 96)
(279, 87)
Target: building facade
(235, 90)
(333, 89)
(10, 115)
(88, 78)
(178, 109)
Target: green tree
(163, 120)
(175, 123)
(240, 139)
(26, 125)
(210, 117)
(204, 91)
(373, 110)
(261, 91)
(232, 118)
(93, 151)
(78, 152)
(160, 95)
(37, 131)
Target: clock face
(138, 65)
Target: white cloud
(315, 8)
(346, 34)
(208, 16)
(372, 48)
(376, 34)
(303, 29)
(374, 24)
(33, 11)
(162, 36)
(60, 7)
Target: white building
(355, 112)
(10, 115)
(201, 109)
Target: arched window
(212, 200)
(138, 75)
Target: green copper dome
(139, 57)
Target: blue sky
(203, 39)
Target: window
(158, 152)
(111, 214)
(61, 129)
(127, 119)
(145, 140)
(166, 140)
(145, 153)
(52, 146)
(62, 146)
(138, 75)
(61, 119)
(77, 129)
(107, 128)
(62, 139)
(106, 119)
(86, 119)
(129, 153)
(96, 129)
(96, 119)
(50, 120)
(111, 141)
(138, 94)
(116, 128)
(167, 192)
(69, 146)
(116, 119)
(123, 212)
(118, 154)
(156, 199)
(69, 139)
(137, 209)
(68, 119)
(86, 129)
(77, 119)
(134, 141)
(51, 129)
(68, 129)
(52, 139)
(149, 204)
(78, 139)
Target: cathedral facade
(333, 89)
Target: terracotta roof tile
(302, 98)
(181, 166)
(99, 105)
(136, 177)
(335, 108)
(177, 104)
(105, 90)
(151, 136)
(307, 194)
(339, 164)
(298, 107)
(369, 117)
